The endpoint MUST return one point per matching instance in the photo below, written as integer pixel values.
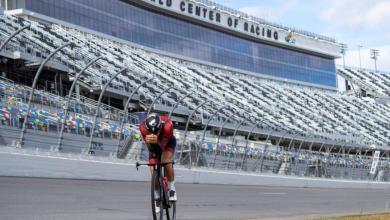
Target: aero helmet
(153, 122)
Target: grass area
(358, 217)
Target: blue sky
(354, 22)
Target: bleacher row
(47, 113)
(279, 106)
(370, 80)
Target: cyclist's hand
(151, 139)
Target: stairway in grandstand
(135, 151)
(130, 149)
(283, 167)
(279, 107)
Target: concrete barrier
(47, 165)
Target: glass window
(123, 20)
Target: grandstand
(268, 122)
(373, 83)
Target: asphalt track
(47, 199)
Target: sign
(212, 15)
(228, 19)
(375, 162)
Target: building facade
(263, 50)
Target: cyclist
(157, 132)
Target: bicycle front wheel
(171, 211)
(156, 203)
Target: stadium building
(237, 81)
(200, 31)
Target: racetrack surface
(44, 199)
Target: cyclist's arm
(144, 133)
(167, 134)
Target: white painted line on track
(272, 193)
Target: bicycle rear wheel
(156, 203)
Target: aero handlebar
(152, 164)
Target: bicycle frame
(163, 188)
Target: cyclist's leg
(167, 157)
(152, 160)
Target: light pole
(234, 137)
(360, 58)
(341, 149)
(281, 138)
(21, 139)
(350, 149)
(98, 105)
(205, 129)
(78, 75)
(158, 96)
(12, 36)
(178, 102)
(222, 127)
(343, 51)
(247, 140)
(374, 55)
(262, 155)
(219, 136)
(290, 145)
(330, 150)
(186, 130)
(322, 145)
(125, 115)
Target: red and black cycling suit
(166, 141)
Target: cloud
(354, 22)
(272, 13)
(352, 58)
(361, 14)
